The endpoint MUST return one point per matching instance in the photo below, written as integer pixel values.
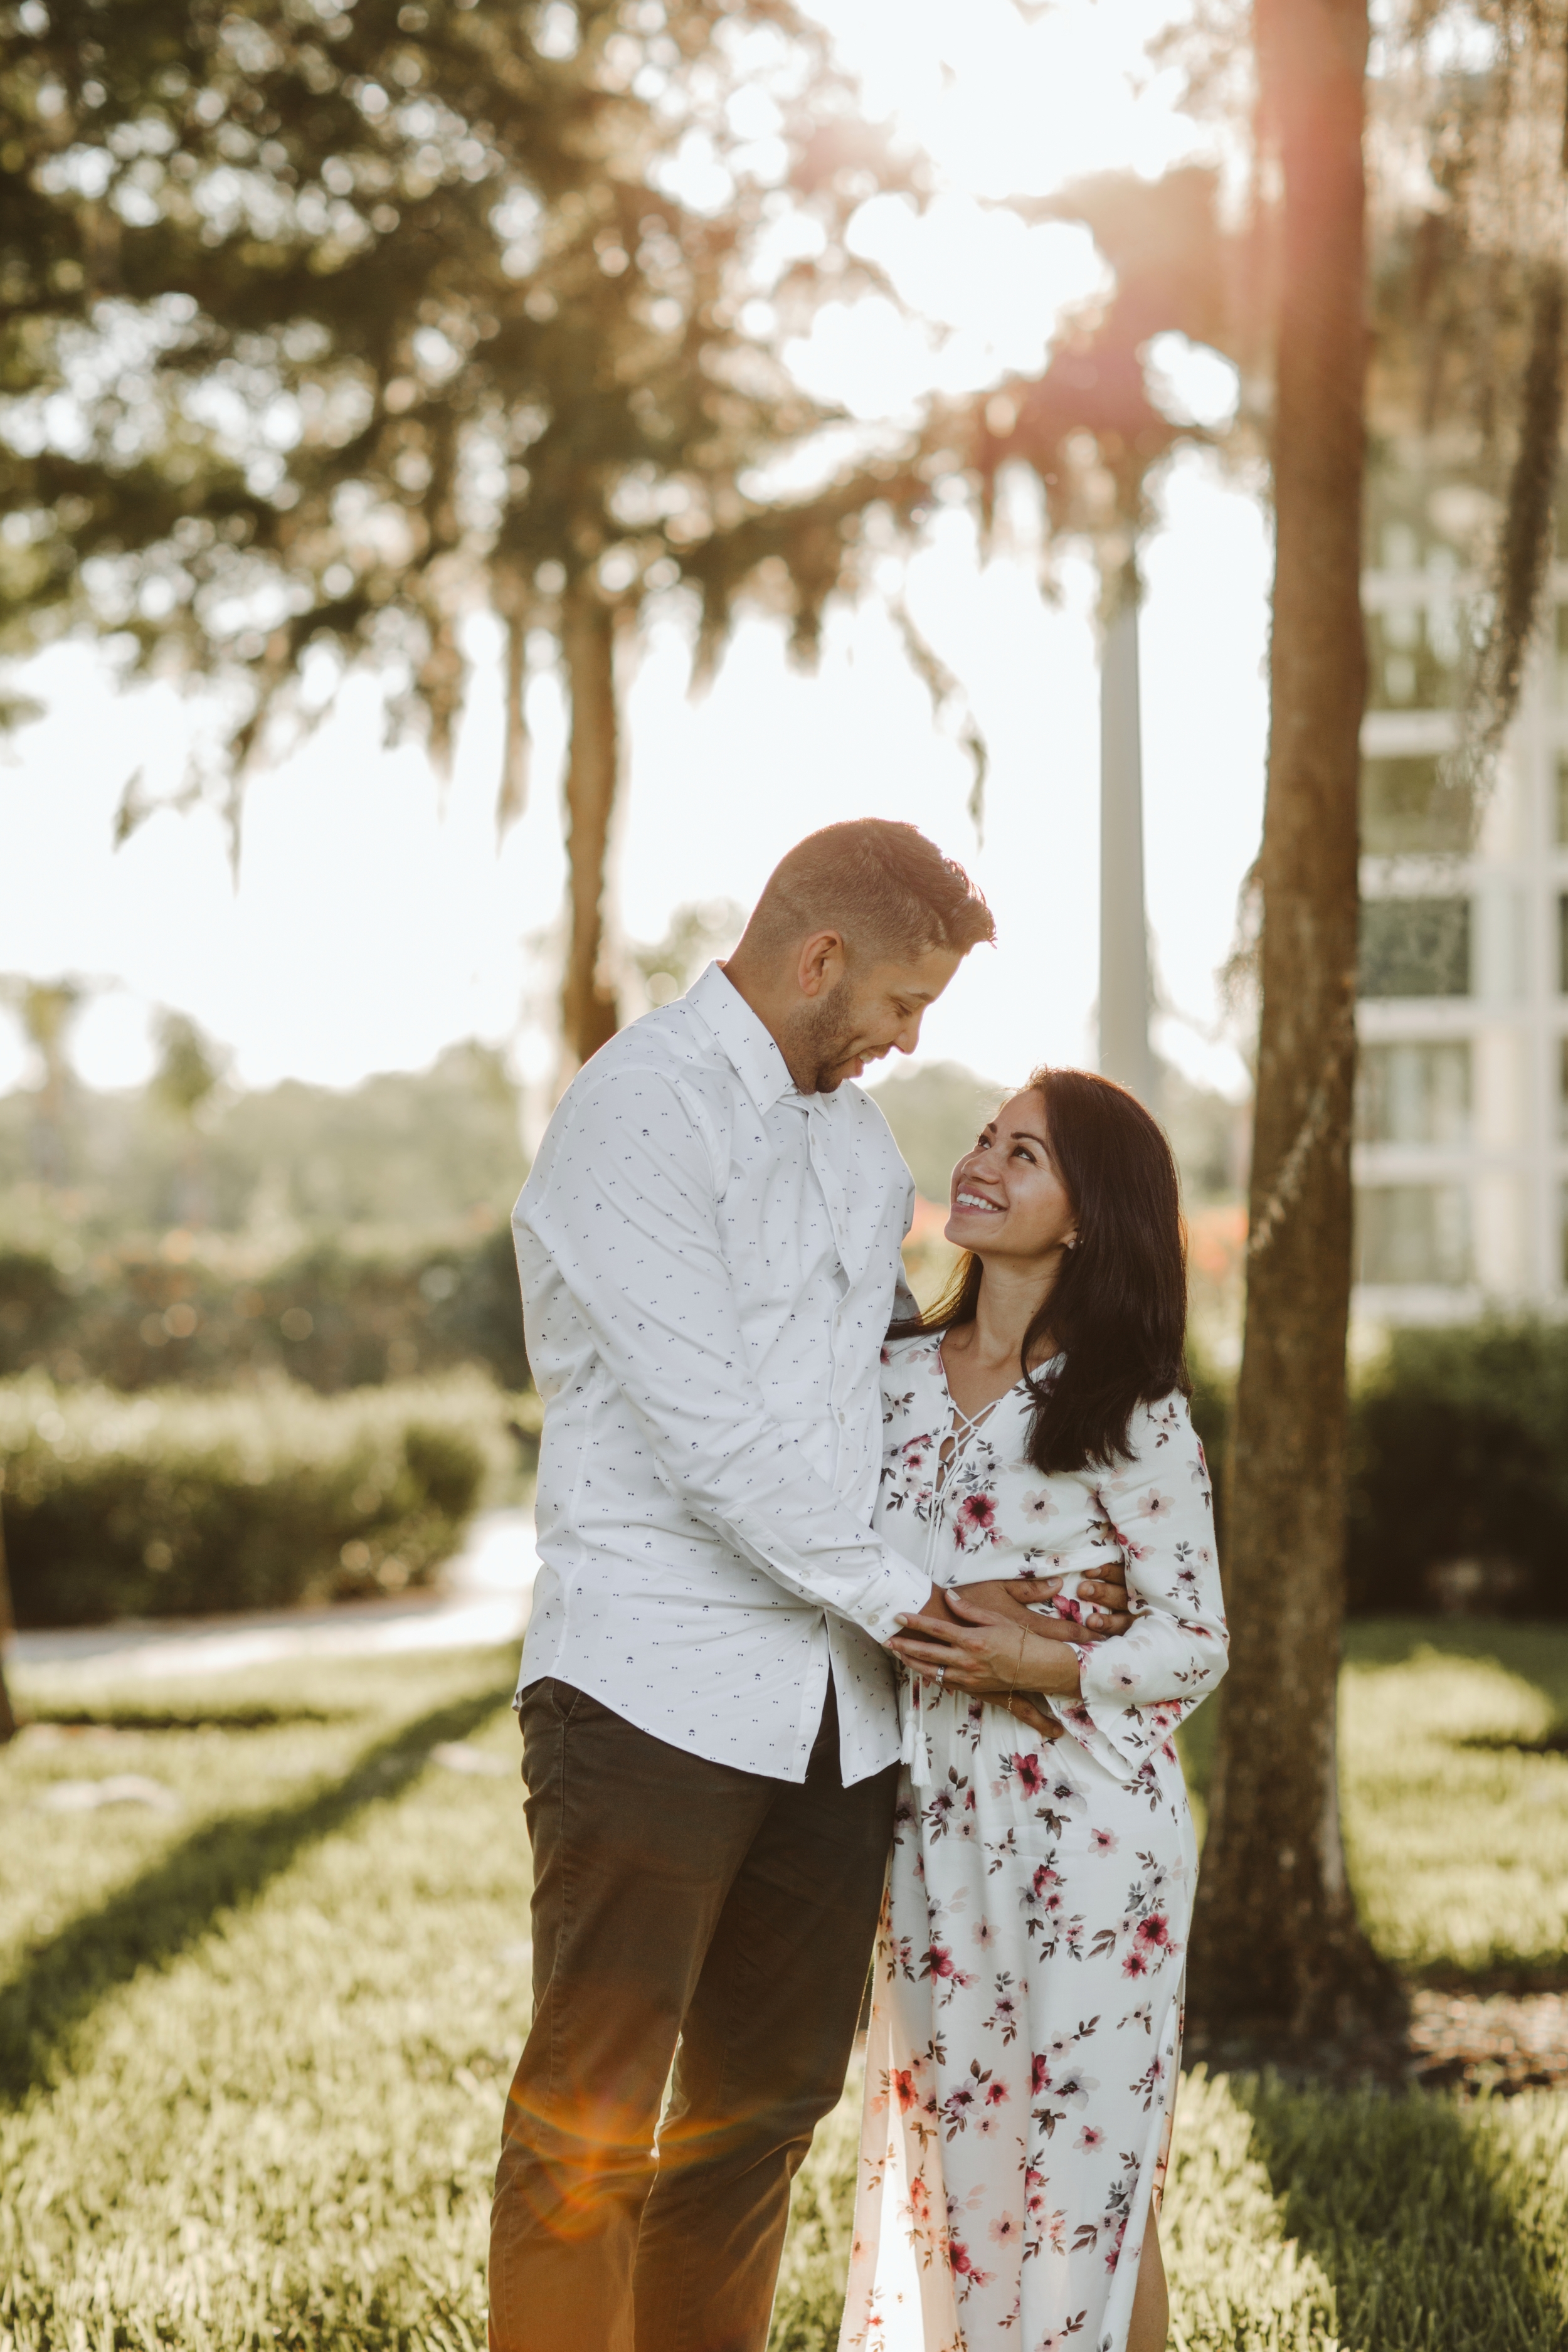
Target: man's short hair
(887, 890)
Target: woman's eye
(1025, 1155)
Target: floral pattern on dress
(1025, 2031)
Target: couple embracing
(824, 1582)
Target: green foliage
(1458, 1451)
(699, 929)
(935, 1113)
(810, 2298)
(334, 1317)
(176, 1505)
(253, 2052)
(357, 314)
(189, 1071)
(431, 1150)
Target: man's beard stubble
(821, 1043)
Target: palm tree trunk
(1124, 1050)
(589, 1011)
(1277, 1945)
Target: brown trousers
(689, 1913)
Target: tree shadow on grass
(160, 1914)
(1417, 2211)
(128, 1714)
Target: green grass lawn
(252, 2050)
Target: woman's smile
(965, 1199)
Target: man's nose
(909, 1036)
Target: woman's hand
(1100, 1608)
(987, 1653)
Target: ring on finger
(941, 1679)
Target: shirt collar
(741, 1038)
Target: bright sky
(374, 923)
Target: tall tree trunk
(1276, 1941)
(7, 1714)
(589, 1012)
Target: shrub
(1459, 1449)
(176, 1502)
(335, 1318)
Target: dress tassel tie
(912, 1752)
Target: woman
(1022, 2057)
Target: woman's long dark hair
(1119, 1311)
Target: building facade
(1461, 1151)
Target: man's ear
(821, 964)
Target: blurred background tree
(326, 329)
(46, 1009)
(433, 1153)
(697, 933)
(189, 1074)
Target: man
(709, 1248)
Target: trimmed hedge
(181, 1504)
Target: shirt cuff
(900, 1591)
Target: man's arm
(629, 1215)
(1103, 1598)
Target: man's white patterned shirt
(709, 1263)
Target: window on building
(1414, 1094)
(1413, 1233)
(1415, 947)
(1562, 1088)
(1562, 943)
(1406, 804)
(1561, 828)
(1412, 659)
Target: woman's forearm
(990, 1657)
(1048, 1666)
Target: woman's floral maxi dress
(1021, 2063)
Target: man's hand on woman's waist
(1101, 1600)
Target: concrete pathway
(483, 1600)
